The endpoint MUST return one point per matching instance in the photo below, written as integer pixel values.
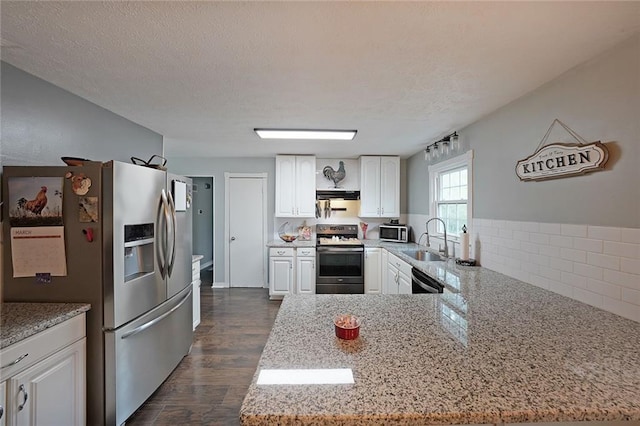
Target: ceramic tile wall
(596, 265)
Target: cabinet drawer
(41, 345)
(400, 264)
(306, 252)
(281, 251)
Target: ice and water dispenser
(138, 250)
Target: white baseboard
(220, 285)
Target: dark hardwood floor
(208, 386)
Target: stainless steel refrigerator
(127, 244)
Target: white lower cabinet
(372, 271)
(43, 379)
(398, 276)
(292, 270)
(195, 282)
(52, 391)
(3, 403)
(280, 271)
(384, 267)
(305, 271)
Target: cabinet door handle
(26, 396)
(15, 361)
(280, 252)
(382, 210)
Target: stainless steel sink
(423, 255)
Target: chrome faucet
(444, 226)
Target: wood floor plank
(210, 383)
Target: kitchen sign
(561, 160)
(557, 160)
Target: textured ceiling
(204, 74)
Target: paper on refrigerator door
(38, 250)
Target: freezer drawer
(140, 355)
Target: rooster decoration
(335, 175)
(36, 205)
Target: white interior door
(246, 219)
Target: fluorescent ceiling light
(319, 376)
(345, 135)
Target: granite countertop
(196, 257)
(21, 320)
(490, 349)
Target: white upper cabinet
(379, 186)
(295, 185)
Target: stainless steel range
(339, 260)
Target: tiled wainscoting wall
(596, 265)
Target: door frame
(213, 230)
(227, 260)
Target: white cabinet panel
(3, 403)
(295, 185)
(292, 270)
(372, 271)
(195, 282)
(306, 275)
(51, 392)
(369, 186)
(305, 186)
(379, 186)
(389, 186)
(285, 185)
(280, 276)
(398, 276)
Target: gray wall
(42, 122)
(417, 186)
(600, 100)
(217, 166)
(203, 218)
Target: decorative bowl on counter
(288, 238)
(285, 233)
(347, 326)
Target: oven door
(340, 269)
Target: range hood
(333, 194)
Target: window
(450, 184)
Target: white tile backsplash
(588, 270)
(631, 236)
(574, 255)
(630, 265)
(603, 260)
(588, 244)
(622, 249)
(574, 230)
(597, 265)
(604, 233)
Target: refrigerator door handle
(174, 220)
(155, 320)
(163, 219)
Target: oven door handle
(340, 249)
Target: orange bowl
(347, 327)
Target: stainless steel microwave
(395, 233)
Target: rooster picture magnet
(35, 201)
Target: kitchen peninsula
(491, 349)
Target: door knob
(233, 238)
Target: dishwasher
(423, 283)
